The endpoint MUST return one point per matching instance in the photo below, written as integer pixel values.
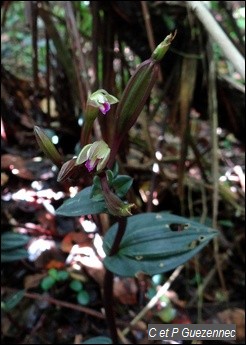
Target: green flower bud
(162, 48)
(116, 206)
(94, 155)
(138, 90)
(68, 170)
(47, 146)
(135, 95)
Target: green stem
(120, 233)
(108, 283)
(108, 305)
(114, 151)
(108, 297)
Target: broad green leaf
(12, 240)
(122, 184)
(83, 297)
(14, 255)
(98, 340)
(13, 300)
(155, 243)
(81, 204)
(96, 190)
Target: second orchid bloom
(94, 155)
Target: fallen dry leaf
(125, 290)
(230, 316)
(4, 178)
(234, 316)
(33, 280)
(55, 264)
(73, 238)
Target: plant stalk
(108, 305)
(108, 283)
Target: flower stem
(108, 305)
(120, 233)
(108, 283)
(114, 151)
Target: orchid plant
(147, 242)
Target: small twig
(152, 152)
(198, 158)
(59, 303)
(64, 304)
(63, 54)
(232, 83)
(199, 292)
(14, 322)
(219, 36)
(34, 29)
(213, 110)
(188, 73)
(39, 324)
(190, 201)
(208, 279)
(47, 59)
(204, 204)
(227, 6)
(187, 55)
(149, 31)
(148, 25)
(155, 299)
(95, 48)
(80, 67)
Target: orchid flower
(94, 155)
(102, 99)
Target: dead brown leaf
(33, 280)
(73, 238)
(125, 290)
(234, 316)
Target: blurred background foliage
(55, 53)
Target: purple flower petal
(105, 108)
(89, 165)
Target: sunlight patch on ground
(88, 225)
(38, 246)
(85, 256)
